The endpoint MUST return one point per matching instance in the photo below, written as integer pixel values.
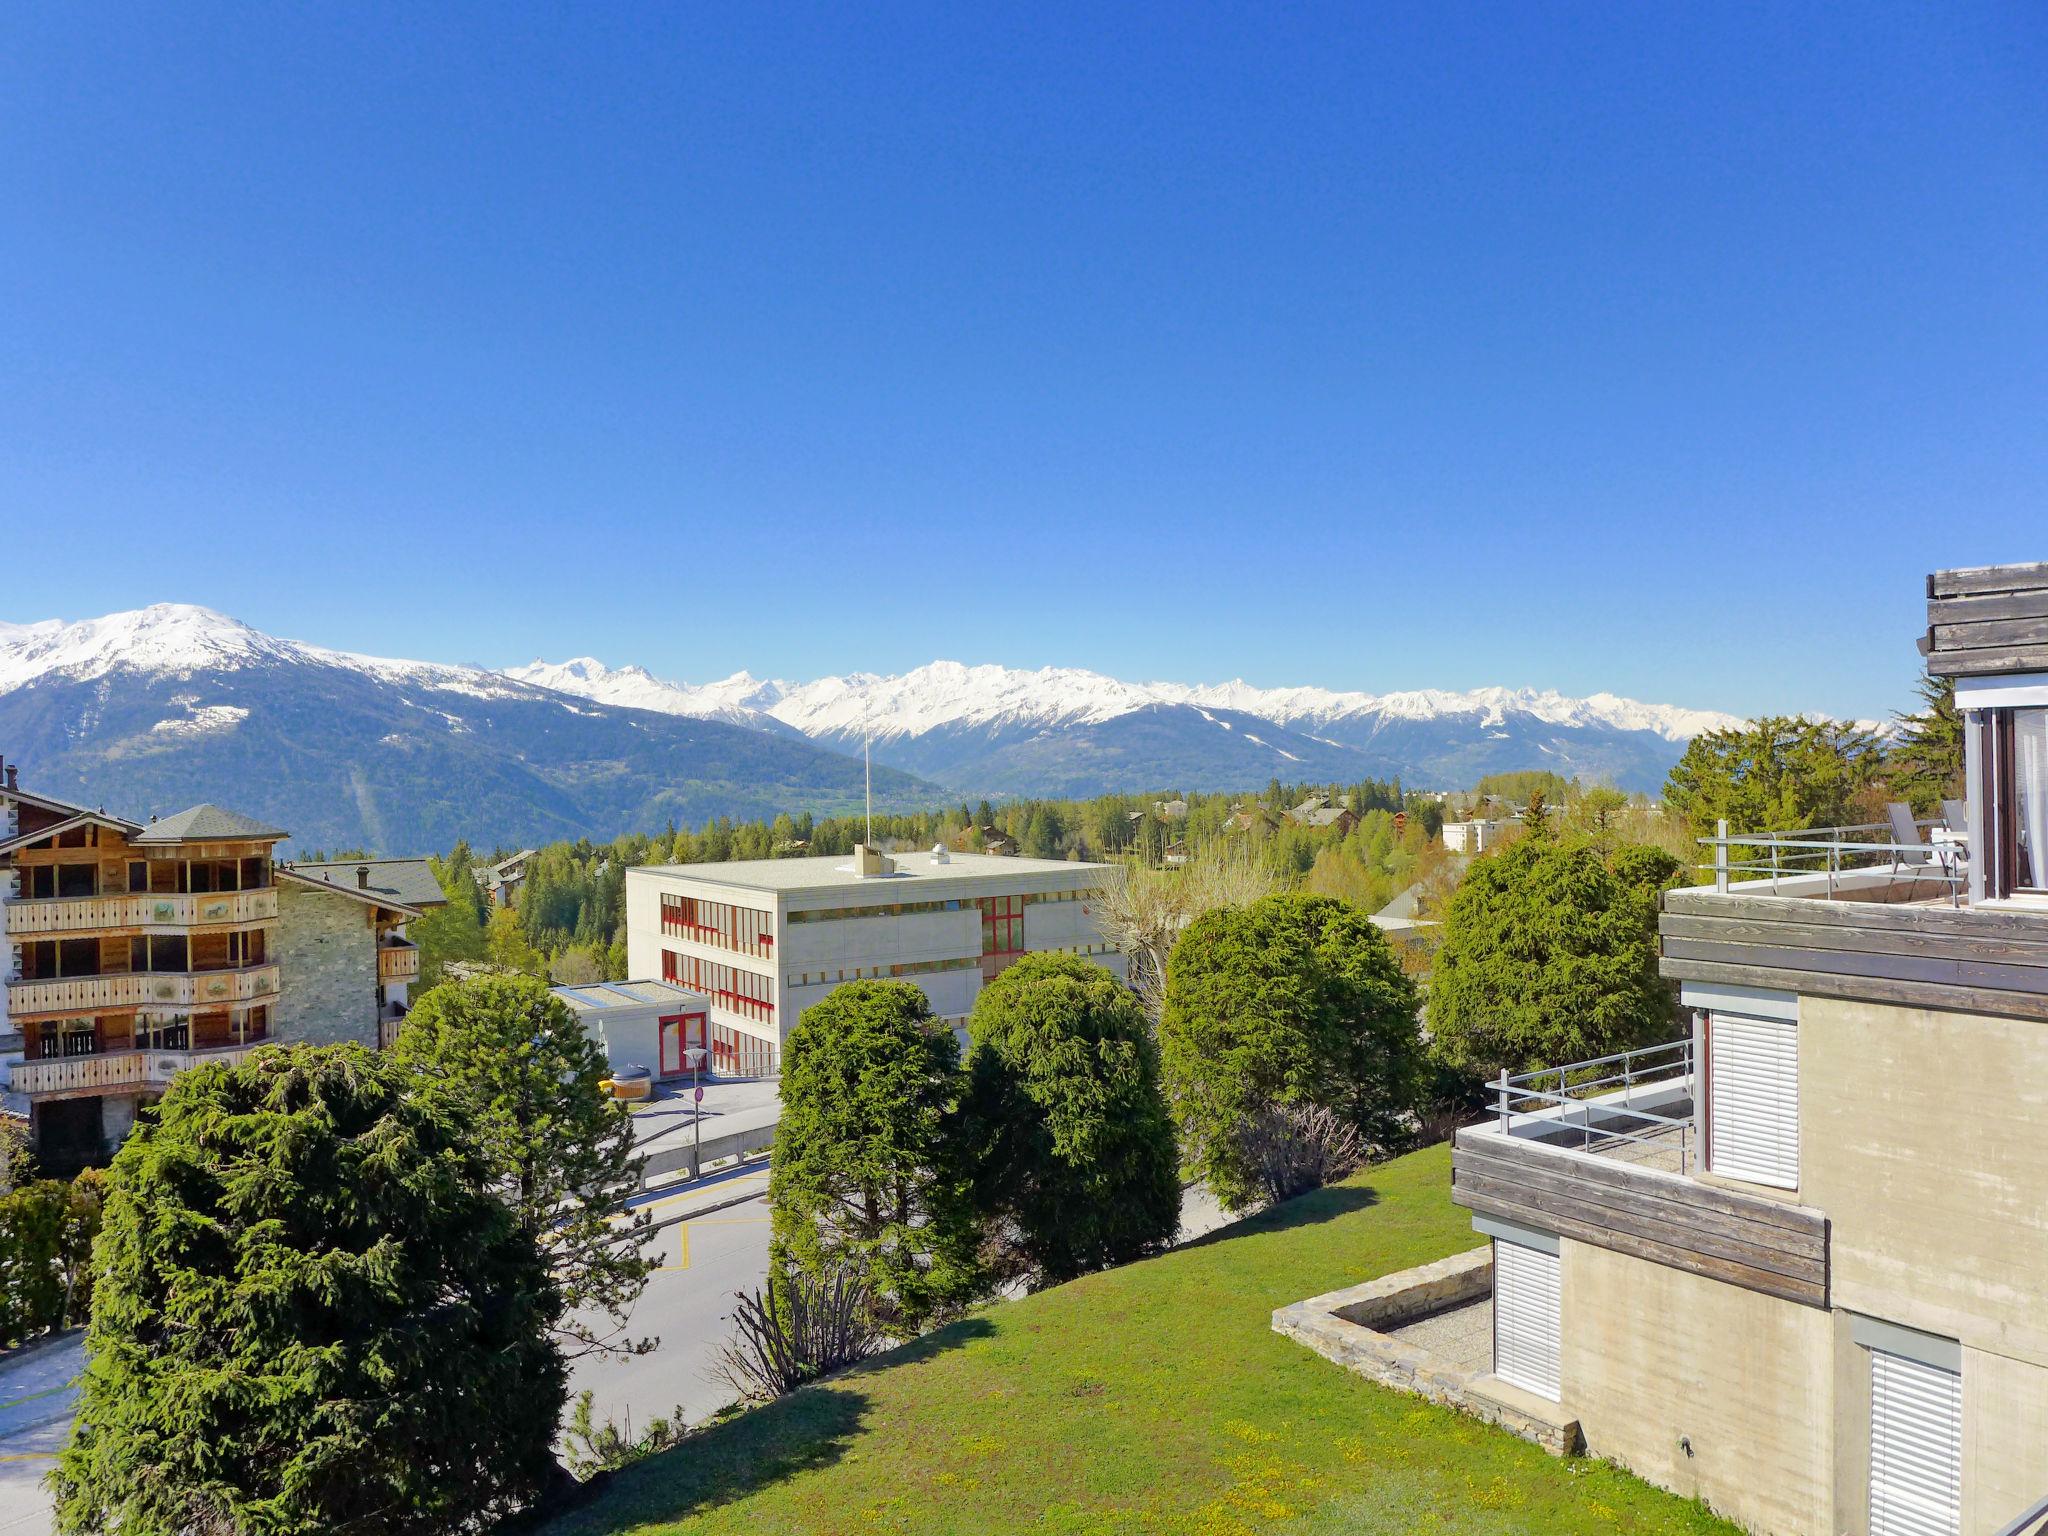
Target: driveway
(37, 1395)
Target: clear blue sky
(1644, 347)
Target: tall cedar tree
(1294, 1000)
(1926, 763)
(1774, 775)
(870, 1173)
(561, 1151)
(1074, 1147)
(311, 1315)
(1549, 956)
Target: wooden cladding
(1936, 956)
(1987, 621)
(1665, 1218)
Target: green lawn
(1153, 1399)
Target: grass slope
(1152, 1399)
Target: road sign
(700, 1095)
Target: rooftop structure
(651, 1024)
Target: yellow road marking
(28, 1455)
(682, 1249)
(699, 1194)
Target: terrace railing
(1834, 858)
(1591, 1105)
(2033, 1523)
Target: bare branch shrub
(1295, 1148)
(1142, 911)
(795, 1331)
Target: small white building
(763, 939)
(647, 1024)
(1474, 836)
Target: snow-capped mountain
(992, 729)
(151, 711)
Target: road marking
(28, 1455)
(16, 1402)
(683, 1251)
(697, 1194)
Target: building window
(1752, 1099)
(2016, 790)
(746, 929)
(1002, 925)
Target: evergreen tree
(561, 1152)
(1074, 1147)
(1926, 764)
(1294, 1001)
(870, 1172)
(311, 1315)
(1549, 956)
(1775, 774)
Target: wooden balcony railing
(114, 1069)
(197, 989)
(398, 962)
(88, 914)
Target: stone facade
(327, 954)
(1346, 1327)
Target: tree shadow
(749, 1450)
(1312, 1209)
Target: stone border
(1346, 1327)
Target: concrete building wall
(1920, 1137)
(1652, 1355)
(327, 959)
(2005, 1439)
(900, 940)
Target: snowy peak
(162, 638)
(953, 695)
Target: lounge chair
(1906, 837)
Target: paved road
(36, 1398)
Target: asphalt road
(36, 1397)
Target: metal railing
(1590, 1103)
(1833, 855)
(2033, 1523)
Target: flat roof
(598, 995)
(827, 872)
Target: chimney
(362, 877)
(12, 770)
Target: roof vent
(868, 861)
(939, 854)
(362, 877)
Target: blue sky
(1659, 349)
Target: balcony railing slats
(85, 914)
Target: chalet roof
(208, 824)
(390, 882)
(1324, 816)
(506, 869)
(83, 818)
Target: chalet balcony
(1606, 1152)
(55, 915)
(398, 961)
(142, 989)
(1852, 912)
(140, 1071)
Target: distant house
(1170, 810)
(993, 841)
(1316, 811)
(1176, 854)
(1250, 817)
(1474, 836)
(501, 881)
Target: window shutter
(1525, 1317)
(1753, 1099)
(1916, 1448)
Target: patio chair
(1956, 815)
(1906, 837)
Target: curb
(706, 1210)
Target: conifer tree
(311, 1314)
(561, 1152)
(870, 1173)
(1074, 1148)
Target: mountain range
(990, 730)
(149, 711)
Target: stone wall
(1344, 1327)
(327, 960)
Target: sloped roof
(83, 818)
(393, 882)
(208, 824)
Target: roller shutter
(1525, 1317)
(1753, 1099)
(1916, 1448)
